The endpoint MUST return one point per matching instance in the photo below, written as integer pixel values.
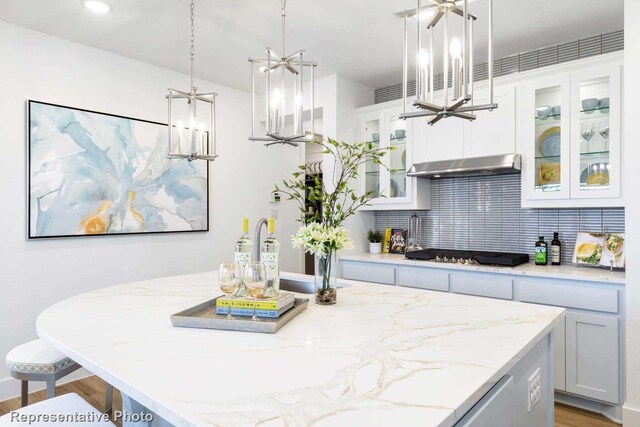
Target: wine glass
(228, 279)
(255, 277)
(587, 132)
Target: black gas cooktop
(469, 257)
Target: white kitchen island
(383, 356)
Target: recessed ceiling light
(97, 6)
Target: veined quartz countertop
(380, 356)
(564, 271)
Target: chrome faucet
(257, 241)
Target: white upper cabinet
(493, 132)
(381, 126)
(570, 138)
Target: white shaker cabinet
(493, 132)
(592, 353)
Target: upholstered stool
(65, 408)
(38, 361)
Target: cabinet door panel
(592, 356)
(369, 272)
(559, 355)
(444, 140)
(423, 278)
(486, 285)
(493, 132)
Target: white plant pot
(375, 248)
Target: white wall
(36, 274)
(631, 412)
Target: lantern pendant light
(195, 139)
(457, 60)
(284, 87)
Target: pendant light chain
(192, 52)
(284, 18)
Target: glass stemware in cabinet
(255, 277)
(594, 163)
(228, 279)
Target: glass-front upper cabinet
(370, 129)
(397, 158)
(380, 125)
(547, 136)
(570, 138)
(595, 160)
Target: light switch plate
(535, 389)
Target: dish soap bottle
(269, 255)
(541, 251)
(555, 250)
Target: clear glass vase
(326, 278)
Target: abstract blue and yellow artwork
(93, 173)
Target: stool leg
(25, 393)
(108, 399)
(51, 388)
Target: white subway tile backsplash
(484, 213)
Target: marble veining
(568, 272)
(381, 356)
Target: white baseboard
(630, 415)
(10, 387)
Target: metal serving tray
(204, 316)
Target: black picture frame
(29, 230)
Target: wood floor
(92, 390)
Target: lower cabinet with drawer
(587, 343)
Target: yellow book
(387, 239)
(284, 299)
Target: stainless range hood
(473, 166)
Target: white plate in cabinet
(569, 296)
(369, 272)
(423, 278)
(485, 285)
(592, 368)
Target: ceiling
(361, 39)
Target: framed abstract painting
(94, 173)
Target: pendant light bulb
(455, 48)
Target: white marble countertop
(381, 356)
(570, 272)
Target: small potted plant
(375, 241)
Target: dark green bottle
(556, 247)
(541, 251)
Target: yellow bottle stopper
(245, 225)
(271, 225)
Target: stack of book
(271, 307)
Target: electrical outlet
(535, 389)
(274, 213)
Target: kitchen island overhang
(383, 355)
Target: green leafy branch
(343, 201)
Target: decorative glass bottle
(269, 255)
